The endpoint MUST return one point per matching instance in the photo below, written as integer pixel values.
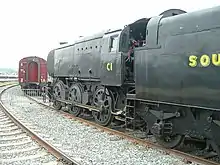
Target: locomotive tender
(159, 74)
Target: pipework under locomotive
(140, 76)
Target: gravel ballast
(17, 148)
(84, 144)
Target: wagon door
(32, 72)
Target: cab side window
(113, 43)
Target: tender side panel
(87, 59)
(63, 62)
(80, 60)
(185, 70)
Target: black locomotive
(159, 74)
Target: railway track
(19, 143)
(188, 158)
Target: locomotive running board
(131, 96)
(89, 107)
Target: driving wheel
(104, 103)
(75, 95)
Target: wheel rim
(75, 95)
(104, 117)
(58, 93)
(171, 141)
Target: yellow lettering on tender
(109, 66)
(192, 61)
(205, 60)
(216, 59)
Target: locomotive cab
(117, 53)
(133, 36)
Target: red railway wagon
(32, 72)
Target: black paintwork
(161, 67)
(115, 76)
(172, 12)
(87, 59)
(166, 87)
(50, 63)
(162, 70)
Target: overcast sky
(34, 27)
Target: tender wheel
(104, 117)
(75, 94)
(59, 93)
(57, 105)
(170, 141)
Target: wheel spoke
(58, 92)
(107, 106)
(75, 95)
(104, 117)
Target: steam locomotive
(158, 74)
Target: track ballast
(20, 144)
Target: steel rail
(187, 157)
(62, 158)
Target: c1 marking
(109, 66)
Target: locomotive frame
(128, 88)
